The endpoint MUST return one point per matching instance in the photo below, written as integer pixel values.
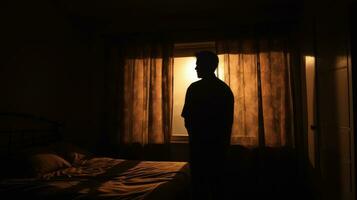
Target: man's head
(206, 63)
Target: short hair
(208, 57)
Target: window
(259, 79)
(184, 75)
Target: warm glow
(220, 69)
(309, 61)
(187, 67)
(184, 75)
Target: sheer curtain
(258, 73)
(147, 88)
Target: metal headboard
(19, 131)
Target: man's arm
(228, 116)
(187, 108)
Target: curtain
(258, 73)
(147, 93)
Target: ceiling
(171, 15)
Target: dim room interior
(92, 94)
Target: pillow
(43, 163)
(33, 162)
(72, 153)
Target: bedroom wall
(328, 150)
(335, 167)
(50, 67)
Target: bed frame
(19, 131)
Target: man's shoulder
(224, 85)
(195, 84)
(226, 89)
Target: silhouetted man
(208, 114)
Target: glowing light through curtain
(147, 99)
(267, 116)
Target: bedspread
(105, 178)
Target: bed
(37, 163)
